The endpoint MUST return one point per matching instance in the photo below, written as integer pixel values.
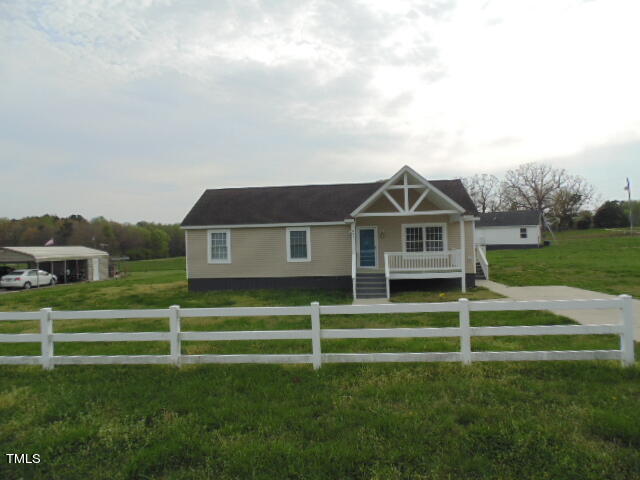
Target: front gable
(407, 193)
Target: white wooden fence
(316, 334)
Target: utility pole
(628, 189)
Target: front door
(368, 243)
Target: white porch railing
(482, 259)
(450, 260)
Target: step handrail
(484, 263)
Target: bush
(610, 215)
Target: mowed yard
(539, 420)
(602, 260)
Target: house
(504, 230)
(360, 236)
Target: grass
(602, 260)
(541, 420)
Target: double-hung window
(298, 244)
(425, 238)
(219, 246)
(523, 232)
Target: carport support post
(626, 339)
(65, 271)
(46, 344)
(174, 335)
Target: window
(425, 238)
(298, 244)
(414, 242)
(219, 246)
(523, 232)
(435, 242)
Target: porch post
(353, 257)
(463, 256)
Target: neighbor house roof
(49, 254)
(296, 204)
(508, 219)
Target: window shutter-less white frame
(445, 235)
(307, 231)
(227, 233)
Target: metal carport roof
(47, 254)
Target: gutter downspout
(353, 255)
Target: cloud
(135, 107)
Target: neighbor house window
(523, 232)
(219, 246)
(298, 244)
(425, 238)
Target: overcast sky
(131, 109)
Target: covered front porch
(409, 230)
(374, 267)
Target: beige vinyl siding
(261, 253)
(390, 235)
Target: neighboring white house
(502, 230)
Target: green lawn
(602, 260)
(541, 420)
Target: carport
(69, 264)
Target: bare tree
(484, 190)
(545, 189)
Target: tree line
(140, 241)
(561, 197)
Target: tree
(543, 188)
(584, 220)
(484, 191)
(610, 215)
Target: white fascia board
(378, 192)
(446, 198)
(264, 225)
(506, 226)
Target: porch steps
(371, 285)
(479, 272)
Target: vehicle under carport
(69, 264)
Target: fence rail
(175, 336)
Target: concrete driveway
(561, 292)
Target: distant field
(525, 421)
(175, 263)
(603, 260)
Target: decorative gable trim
(406, 208)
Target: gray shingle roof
(508, 219)
(296, 204)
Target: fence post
(626, 338)
(316, 356)
(174, 339)
(46, 345)
(465, 331)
